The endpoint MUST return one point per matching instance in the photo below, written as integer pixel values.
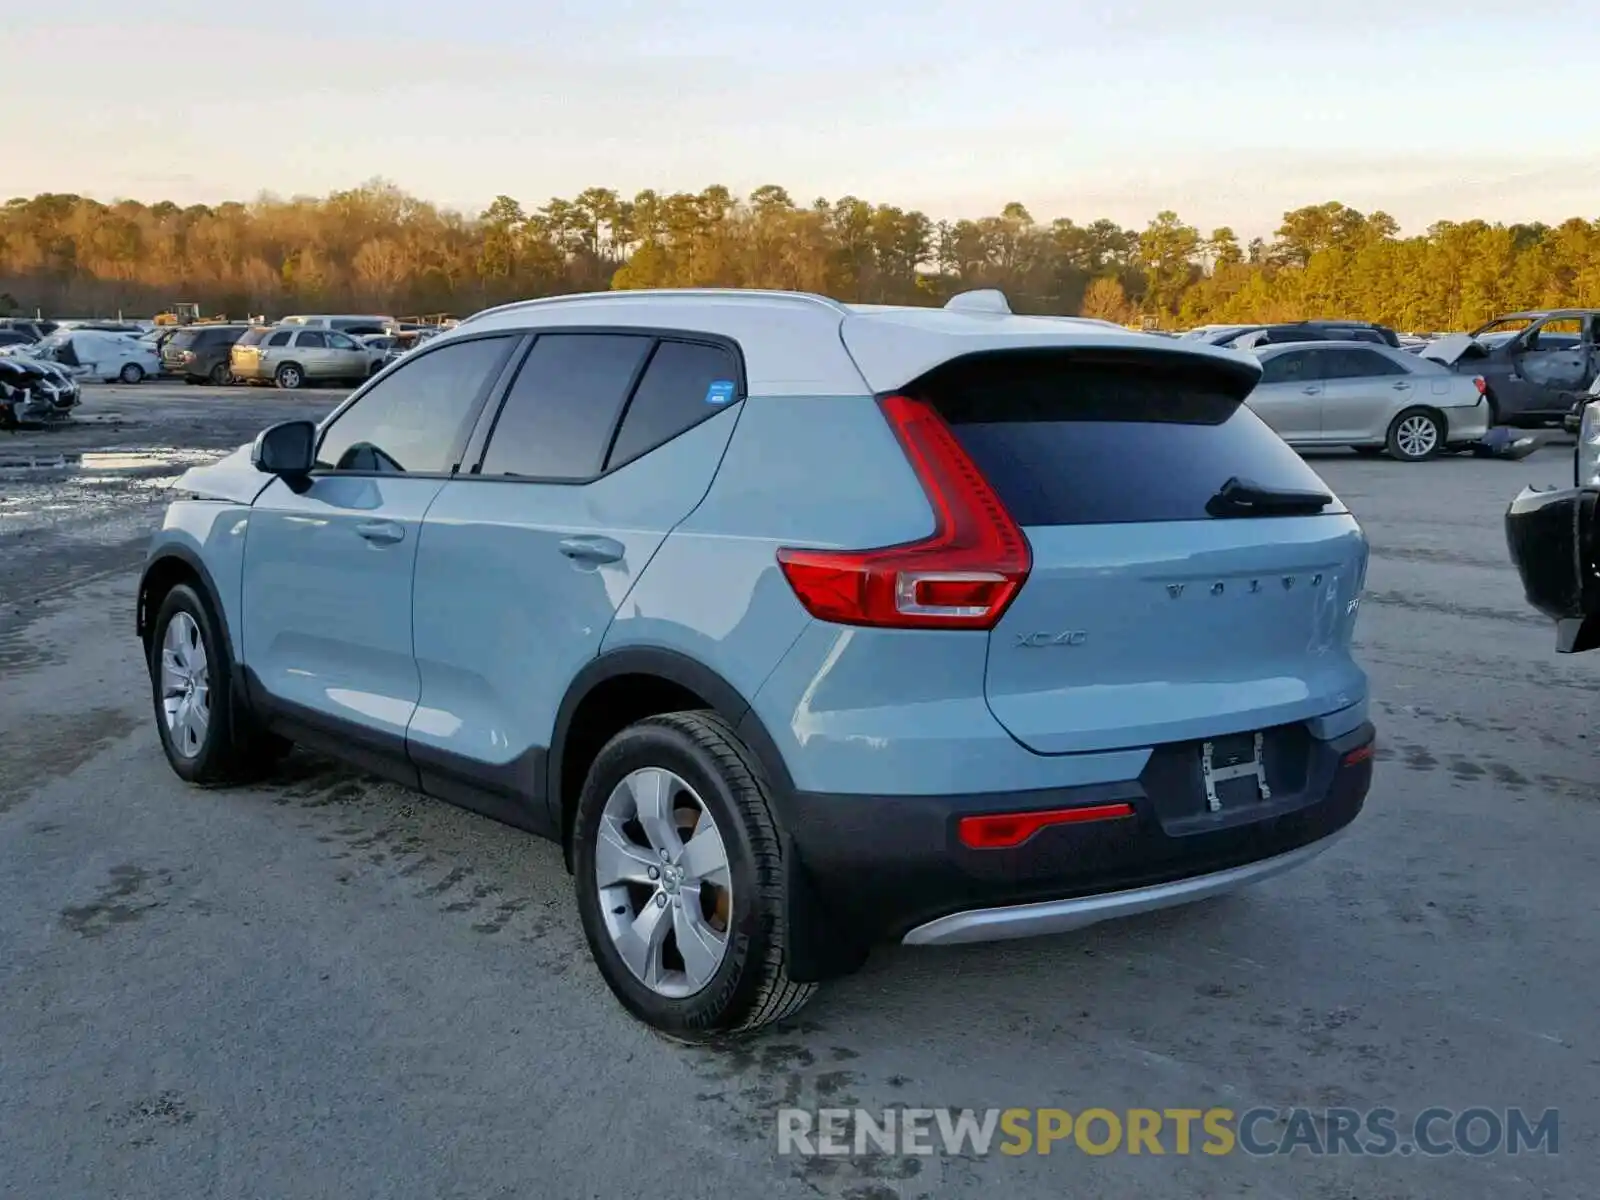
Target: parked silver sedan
(1367, 396)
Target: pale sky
(1228, 111)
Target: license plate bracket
(1226, 759)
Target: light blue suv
(802, 625)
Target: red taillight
(962, 576)
(1003, 831)
(1479, 383)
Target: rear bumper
(1060, 916)
(1552, 539)
(892, 868)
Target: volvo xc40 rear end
(1115, 676)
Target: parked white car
(100, 357)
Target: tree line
(376, 248)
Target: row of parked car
(1359, 384)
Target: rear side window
(1295, 366)
(1357, 364)
(281, 338)
(684, 384)
(1068, 441)
(415, 419)
(557, 420)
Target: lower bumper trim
(1060, 916)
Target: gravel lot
(330, 987)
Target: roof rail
(808, 298)
(983, 300)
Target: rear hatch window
(184, 339)
(253, 337)
(1069, 439)
(1144, 619)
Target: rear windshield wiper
(1242, 498)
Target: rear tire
(131, 373)
(1416, 435)
(659, 781)
(221, 375)
(290, 377)
(207, 738)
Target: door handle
(1310, 391)
(384, 533)
(1402, 386)
(591, 549)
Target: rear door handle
(1310, 391)
(384, 533)
(588, 548)
(1402, 386)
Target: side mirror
(286, 449)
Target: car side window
(415, 420)
(311, 339)
(339, 342)
(684, 383)
(562, 409)
(1359, 364)
(280, 338)
(1292, 367)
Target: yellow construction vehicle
(186, 313)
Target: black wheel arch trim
(674, 667)
(181, 553)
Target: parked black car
(1534, 363)
(1552, 536)
(34, 328)
(16, 337)
(199, 353)
(1245, 336)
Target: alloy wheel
(185, 685)
(664, 881)
(1417, 436)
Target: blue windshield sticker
(720, 392)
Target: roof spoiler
(985, 300)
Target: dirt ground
(327, 986)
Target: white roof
(796, 343)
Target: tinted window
(281, 338)
(253, 337)
(184, 339)
(415, 420)
(683, 385)
(1357, 364)
(339, 342)
(557, 421)
(1291, 367)
(1072, 443)
(311, 339)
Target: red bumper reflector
(1003, 831)
(1359, 755)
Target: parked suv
(293, 357)
(802, 626)
(200, 353)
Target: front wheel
(1416, 434)
(131, 373)
(679, 874)
(207, 740)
